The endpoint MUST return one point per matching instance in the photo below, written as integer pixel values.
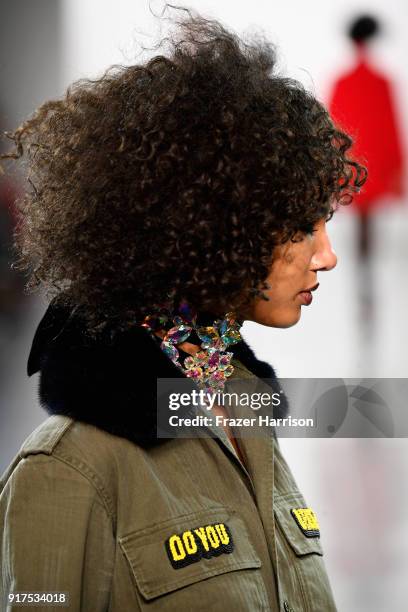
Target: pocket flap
(184, 550)
(302, 539)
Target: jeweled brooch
(211, 365)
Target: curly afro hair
(176, 178)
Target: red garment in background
(362, 104)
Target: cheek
(293, 259)
(286, 279)
(279, 311)
(299, 257)
(287, 276)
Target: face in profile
(293, 277)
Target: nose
(324, 257)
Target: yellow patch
(204, 541)
(307, 521)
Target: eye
(308, 229)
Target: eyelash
(308, 229)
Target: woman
(170, 202)
(360, 87)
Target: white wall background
(309, 35)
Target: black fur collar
(110, 383)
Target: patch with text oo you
(197, 543)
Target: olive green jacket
(181, 525)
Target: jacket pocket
(208, 551)
(299, 541)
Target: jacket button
(287, 607)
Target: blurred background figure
(363, 103)
(13, 302)
(11, 283)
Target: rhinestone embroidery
(209, 367)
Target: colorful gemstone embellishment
(209, 367)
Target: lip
(312, 288)
(306, 295)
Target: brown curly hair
(176, 178)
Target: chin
(286, 324)
(284, 321)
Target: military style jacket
(95, 507)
